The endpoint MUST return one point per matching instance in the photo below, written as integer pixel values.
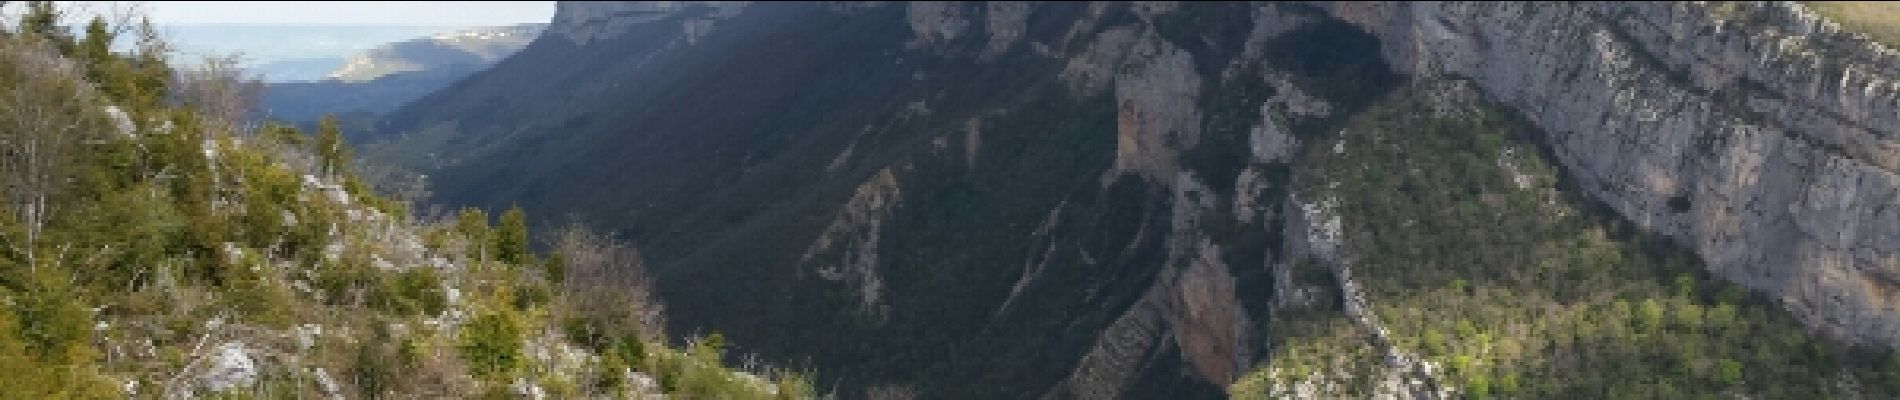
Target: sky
(445, 13)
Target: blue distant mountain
(378, 80)
(288, 52)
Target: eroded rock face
(1201, 309)
(936, 21)
(586, 21)
(1774, 127)
(1155, 88)
(1774, 134)
(848, 249)
(1004, 22)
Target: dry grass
(1880, 20)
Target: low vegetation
(156, 242)
(1879, 20)
(1472, 258)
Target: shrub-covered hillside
(1464, 267)
(157, 243)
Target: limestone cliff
(1756, 133)
(1095, 198)
(585, 21)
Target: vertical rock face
(936, 22)
(586, 21)
(1108, 222)
(1004, 22)
(1155, 114)
(1072, 233)
(1756, 133)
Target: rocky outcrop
(231, 368)
(1117, 354)
(848, 249)
(1155, 89)
(1707, 122)
(1757, 133)
(1201, 307)
(1004, 20)
(587, 21)
(934, 22)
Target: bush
(373, 370)
(491, 344)
(511, 238)
(417, 290)
(1727, 372)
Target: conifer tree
(150, 76)
(511, 240)
(42, 19)
(331, 151)
(473, 223)
(96, 48)
(104, 68)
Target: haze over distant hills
(378, 80)
(289, 52)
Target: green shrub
(1727, 372)
(491, 344)
(511, 238)
(373, 370)
(410, 292)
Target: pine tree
(473, 223)
(331, 151)
(42, 20)
(150, 76)
(511, 241)
(96, 48)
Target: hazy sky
(456, 13)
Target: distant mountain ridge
(381, 79)
(470, 47)
(280, 53)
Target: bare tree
(222, 92)
(606, 279)
(47, 112)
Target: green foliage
(491, 344)
(96, 50)
(556, 267)
(694, 373)
(531, 294)
(411, 292)
(1880, 21)
(374, 370)
(1529, 290)
(57, 330)
(332, 152)
(1477, 386)
(25, 371)
(1727, 372)
(472, 223)
(1649, 315)
(42, 20)
(160, 242)
(283, 133)
(511, 238)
